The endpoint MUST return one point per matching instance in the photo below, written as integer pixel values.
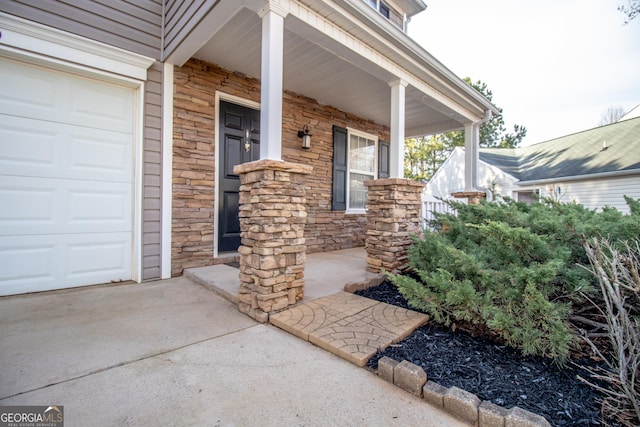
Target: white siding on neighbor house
(450, 178)
(595, 193)
(496, 180)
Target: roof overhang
(344, 54)
(410, 7)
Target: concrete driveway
(173, 353)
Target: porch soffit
(332, 59)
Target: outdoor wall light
(306, 137)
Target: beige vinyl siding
(133, 26)
(152, 175)
(181, 16)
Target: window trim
(376, 140)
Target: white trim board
(33, 39)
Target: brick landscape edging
(460, 403)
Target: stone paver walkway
(348, 325)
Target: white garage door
(66, 179)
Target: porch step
(221, 279)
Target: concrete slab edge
(275, 321)
(233, 299)
(459, 403)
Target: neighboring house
(595, 168)
(632, 114)
(121, 122)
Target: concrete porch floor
(348, 325)
(325, 273)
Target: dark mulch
(492, 371)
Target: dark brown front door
(239, 143)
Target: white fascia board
(614, 174)
(30, 38)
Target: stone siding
(394, 215)
(194, 177)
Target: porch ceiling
(317, 67)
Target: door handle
(247, 141)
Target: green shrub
(511, 267)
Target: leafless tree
(611, 114)
(632, 10)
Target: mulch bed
(492, 371)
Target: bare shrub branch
(617, 272)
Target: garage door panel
(63, 206)
(100, 155)
(109, 107)
(66, 179)
(101, 259)
(25, 206)
(25, 144)
(59, 97)
(26, 92)
(27, 260)
(41, 149)
(102, 209)
(37, 263)
(30, 264)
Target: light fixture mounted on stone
(306, 137)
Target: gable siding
(496, 180)
(152, 175)
(181, 16)
(134, 26)
(450, 178)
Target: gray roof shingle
(581, 153)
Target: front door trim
(222, 96)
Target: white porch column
(471, 147)
(396, 155)
(271, 81)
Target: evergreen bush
(511, 267)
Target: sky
(554, 66)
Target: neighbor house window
(388, 12)
(528, 197)
(362, 164)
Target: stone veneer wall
(194, 158)
(395, 214)
(273, 251)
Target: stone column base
(272, 252)
(394, 213)
(473, 197)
